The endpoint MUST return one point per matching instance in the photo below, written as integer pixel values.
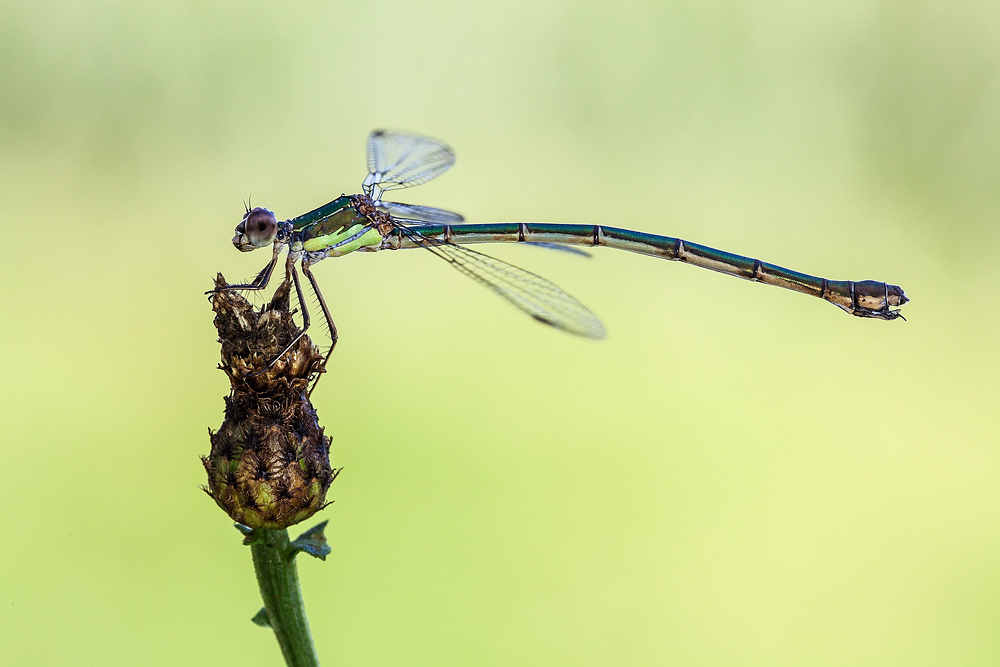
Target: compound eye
(261, 227)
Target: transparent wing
(417, 214)
(533, 294)
(400, 160)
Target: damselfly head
(258, 229)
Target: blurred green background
(738, 475)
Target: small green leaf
(312, 542)
(261, 618)
(251, 536)
(316, 532)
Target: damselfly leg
(326, 314)
(259, 282)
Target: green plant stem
(278, 579)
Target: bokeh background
(738, 475)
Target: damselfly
(364, 222)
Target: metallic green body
(334, 229)
(321, 213)
(337, 228)
(866, 298)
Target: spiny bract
(269, 466)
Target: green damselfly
(364, 222)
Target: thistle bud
(269, 466)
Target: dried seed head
(269, 466)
